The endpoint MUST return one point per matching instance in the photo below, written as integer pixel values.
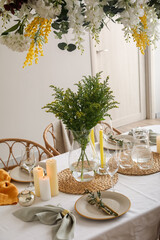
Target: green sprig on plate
(115, 140)
(95, 199)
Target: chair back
(106, 127)
(10, 151)
(50, 139)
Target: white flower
(76, 20)
(140, 12)
(132, 1)
(25, 10)
(83, 16)
(45, 9)
(94, 16)
(2, 3)
(16, 42)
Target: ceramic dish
(113, 146)
(118, 202)
(19, 175)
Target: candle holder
(26, 198)
(102, 170)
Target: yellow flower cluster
(144, 21)
(141, 37)
(38, 31)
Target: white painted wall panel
(23, 92)
(157, 77)
(125, 66)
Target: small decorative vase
(83, 160)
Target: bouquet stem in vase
(83, 161)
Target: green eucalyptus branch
(95, 199)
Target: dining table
(140, 222)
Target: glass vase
(83, 160)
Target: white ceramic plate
(18, 175)
(111, 146)
(118, 202)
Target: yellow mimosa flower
(38, 30)
(140, 36)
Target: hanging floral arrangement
(26, 24)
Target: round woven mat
(68, 184)
(135, 170)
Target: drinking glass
(141, 153)
(143, 156)
(125, 157)
(28, 161)
(112, 165)
(141, 136)
(108, 131)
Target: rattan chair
(106, 127)
(48, 135)
(10, 151)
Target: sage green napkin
(152, 136)
(63, 223)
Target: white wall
(157, 78)
(23, 92)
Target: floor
(142, 123)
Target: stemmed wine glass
(28, 161)
(112, 165)
(108, 131)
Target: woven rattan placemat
(68, 184)
(135, 170)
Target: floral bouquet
(80, 111)
(31, 22)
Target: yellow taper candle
(101, 147)
(37, 173)
(158, 143)
(51, 167)
(92, 136)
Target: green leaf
(59, 34)
(62, 45)
(71, 47)
(55, 25)
(4, 33)
(13, 28)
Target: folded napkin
(26, 170)
(152, 136)
(62, 220)
(4, 176)
(8, 191)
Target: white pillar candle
(158, 143)
(45, 190)
(51, 167)
(37, 172)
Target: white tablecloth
(141, 222)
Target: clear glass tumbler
(141, 153)
(126, 161)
